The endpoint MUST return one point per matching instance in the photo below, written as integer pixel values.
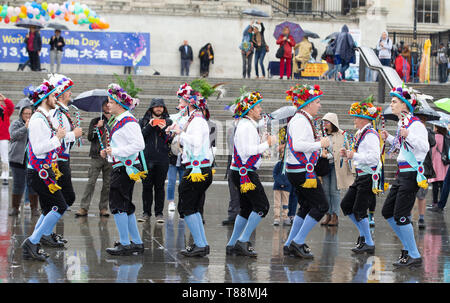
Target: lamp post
(414, 46)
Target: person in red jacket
(7, 107)
(288, 42)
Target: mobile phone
(155, 122)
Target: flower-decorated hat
(41, 92)
(191, 96)
(246, 102)
(60, 82)
(301, 95)
(119, 95)
(405, 94)
(365, 109)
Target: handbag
(280, 52)
(322, 167)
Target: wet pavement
(85, 260)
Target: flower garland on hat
(246, 102)
(119, 95)
(365, 109)
(41, 92)
(191, 96)
(302, 94)
(61, 83)
(407, 95)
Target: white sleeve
(247, 138)
(192, 135)
(39, 135)
(298, 138)
(132, 135)
(368, 155)
(418, 137)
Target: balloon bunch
(43, 12)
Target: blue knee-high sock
(239, 225)
(49, 220)
(50, 229)
(407, 233)
(202, 228)
(394, 226)
(308, 224)
(365, 228)
(39, 222)
(122, 227)
(253, 221)
(352, 217)
(191, 222)
(133, 229)
(296, 225)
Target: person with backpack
(440, 168)
(328, 56)
(384, 48)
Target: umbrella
(443, 104)
(424, 109)
(332, 36)
(27, 23)
(91, 101)
(255, 12)
(310, 34)
(58, 26)
(23, 102)
(443, 121)
(295, 30)
(283, 113)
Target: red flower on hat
(317, 87)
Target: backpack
(445, 149)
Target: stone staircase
(337, 98)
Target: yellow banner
(314, 69)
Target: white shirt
(247, 141)
(302, 136)
(417, 138)
(196, 139)
(368, 153)
(70, 136)
(40, 135)
(128, 140)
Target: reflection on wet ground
(85, 260)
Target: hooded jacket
(157, 142)
(345, 45)
(385, 51)
(18, 142)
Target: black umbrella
(27, 23)
(310, 34)
(22, 103)
(332, 36)
(58, 26)
(91, 101)
(255, 12)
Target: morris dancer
(412, 141)
(44, 143)
(197, 157)
(246, 160)
(126, 145)
(61, 117)
(302, 155)
(366, 157)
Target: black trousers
(437, 187)
(65, 181)
(401, 198)
(311, 201)
(234, 204)
(121, 192)
(358, 197)
(156, 178)
(47, 200)
(192, 194)
(253, 200)
(35, 61)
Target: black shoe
(436, 209)
(228, 222)
(58, 237)
(33, 251)
(403, 254)
(364, 248)
(408, 261)
(137, 248)
(230, 251)
(245, 249)
(287, 251)
(51, 241)
(120, 250)
(207, 249)
(194, 251)
(302, 251)
(421, 224)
